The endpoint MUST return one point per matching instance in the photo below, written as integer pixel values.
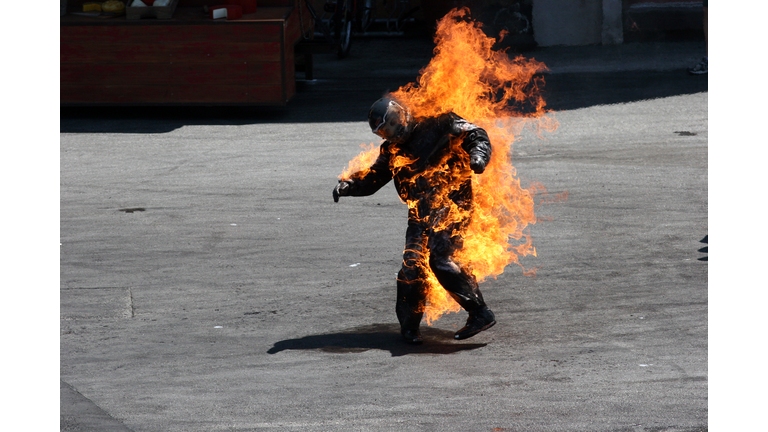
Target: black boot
(409, 323)
(409, 327)
(479, 320)
(412, 336)
(410, 309)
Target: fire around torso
(431, 169)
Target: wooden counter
(186, 60)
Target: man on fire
(431, 161)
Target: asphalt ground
(208, 282)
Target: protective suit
(432, 162)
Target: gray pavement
(209, 282)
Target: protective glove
(477, 164)
(341, 189)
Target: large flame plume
(502, 95)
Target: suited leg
(460, 283)
(411, 287)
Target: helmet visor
(394, 123)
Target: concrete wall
(577, 22)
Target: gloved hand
(477, 164)
(341, 189)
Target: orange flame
(501, 95)
(362, 162)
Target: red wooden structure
(189, 59)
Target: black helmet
(378, 112)
(389, 120)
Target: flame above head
(501, 95)
(469, 78)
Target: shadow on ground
(80, 414)
(569, 91)
(322, 102)
(385, 337)
(343, 91)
